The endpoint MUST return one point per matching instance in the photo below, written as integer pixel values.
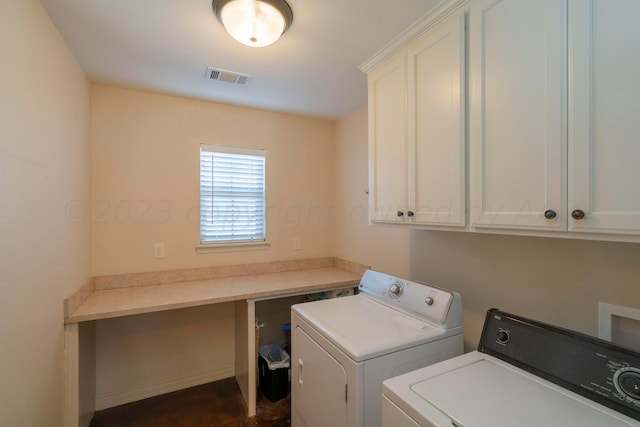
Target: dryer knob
(396, 289)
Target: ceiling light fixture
(255, 23)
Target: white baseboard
(143, 391)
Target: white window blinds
(232, 195)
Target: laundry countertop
(125, 301)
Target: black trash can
(273, 372)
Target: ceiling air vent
(228, 76)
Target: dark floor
(218, 404)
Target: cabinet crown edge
(431, 18)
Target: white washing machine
(343, 348)
(525, 374)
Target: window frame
(230, 245)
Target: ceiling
(166, 46)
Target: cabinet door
(436, 75)
(388, 141)
(518, 113)
(604, 107)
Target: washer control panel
(591, 367)
(627, 382)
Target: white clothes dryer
(343, 348)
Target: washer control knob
(627, 382)
(428, 300)
(503, 336)
(396, 289)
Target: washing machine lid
(364, 328)
(486, 392)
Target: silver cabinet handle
(578, 214)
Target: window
(232, 195)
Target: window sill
(232, 247)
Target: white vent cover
(620, 325)
(228, 76)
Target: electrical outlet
(158, 250)
(296, 244)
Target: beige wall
(383, 248)
(44, 186)
(145, 182)
(145, 189)
(559, 281)
(156, 353)
(553, 280)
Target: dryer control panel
(438, 306)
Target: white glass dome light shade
(253, 23)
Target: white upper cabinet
(604, 116)
(417, 131)
(553, 123)
(554, 108)
(436, 69)
(388, 141)
(518, 113)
